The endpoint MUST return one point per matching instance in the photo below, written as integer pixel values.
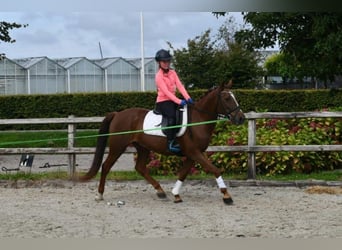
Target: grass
(133, 175)
(335, 175)
(34, 176)
(39, 139)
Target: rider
(167, 82)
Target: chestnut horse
(193, 143)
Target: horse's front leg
(227, 199)
(182, 174)
(210, 168)
(141, 168)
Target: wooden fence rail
(251, 148)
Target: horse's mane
(208, 91)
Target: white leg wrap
(220, 182)
(99, 197)
(176, 188)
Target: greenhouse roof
(137, 61)
(13, 61)
(28, 62)
(106, 62)
(68, 62)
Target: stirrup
(173, 148)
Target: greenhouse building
(42, 75)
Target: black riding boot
(172, 145)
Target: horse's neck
(207, 106)
(204, 110)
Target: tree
(239, 64)
(205, 63)
(195, 64)
(234, 60)
(5, 28)
(278, 65)
(312, 40)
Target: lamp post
(142, 69)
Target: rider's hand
(189, 101)
(183, 103)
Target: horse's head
(228, 105)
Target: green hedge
(63, 105)
(289, 100)
(98, 104)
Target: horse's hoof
(177, 199)
(99, 197)
(161, 195)
(228, 201)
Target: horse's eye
(226, 96)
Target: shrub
(311, 131)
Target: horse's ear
(225, 85)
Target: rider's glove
(189, 101)
(183, 103)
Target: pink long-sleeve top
(167, 84)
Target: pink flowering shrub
(310, 131)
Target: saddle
(154, 122)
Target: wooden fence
(71, 151)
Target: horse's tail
(100, 148)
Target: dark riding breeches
(168, 110)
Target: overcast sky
(74, 34)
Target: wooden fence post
(71, 145)
(251, 173)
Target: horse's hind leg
(141, 168)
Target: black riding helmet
(163, 55)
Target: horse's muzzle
(238, 118)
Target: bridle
(228, 111)
(225, 107)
